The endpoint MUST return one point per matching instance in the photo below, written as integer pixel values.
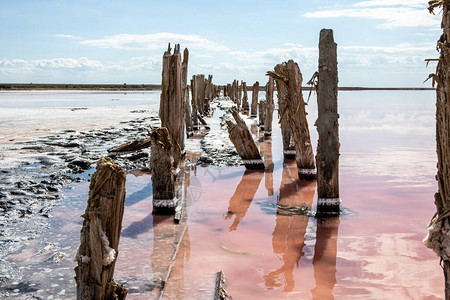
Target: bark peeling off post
(254, 107)
(438, 238)
(171, 108)
(269, 108)
(100, 234)
(283, 101)
(242, 139)
(327, 126)
(161, 166)
(289, 87)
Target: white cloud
(396, 13)
(415, 3)
(67, 36)
(54, 63)
(154, 41)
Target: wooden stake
(242, 139)
(262, 114)
(171, 108)
(219, 291)
(100, 234)
(327, 126)
(194, 104)
(269, 108)
(245, 105)
(161, 166)
(184, 95)
(286, 135)
(188, 116)
(289, 86)
(438, 231)
(254, 107)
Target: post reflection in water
(288, 237)
(266, 152)
(324, 261)
(243, 196)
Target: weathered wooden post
(161, 166)
(254, 107)
(289, 86)
(100, 234)
(209, 88)
(269, 108)
(438, 228)
(286, 136)
(245, 106)
(171, 108)
(262, 114)
(184, 95)
(327, 157)
(188, 116)
(239, 102)
(201, 89)
(242, 139)
(194, 104)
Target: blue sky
(380, 42)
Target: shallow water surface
(237, 221)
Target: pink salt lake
(374, 250)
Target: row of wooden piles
(292, 117)
(101, 229)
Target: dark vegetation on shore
(155, 87)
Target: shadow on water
(139, 227)
(140, 195)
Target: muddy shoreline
(43, 168)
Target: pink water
(374, 250)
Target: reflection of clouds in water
(411, 166)
(390, 266)
(400, 123)
(194, 191)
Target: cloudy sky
(380, 42)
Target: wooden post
(327, 157)
(245, 106)
(233, 91)
(438, 231)
(209, 89)
(254, 107)
(242, 139)
(289, 86)
(171, 109)
(161, 166)
(184, 95)
(262, 114)
(201, 89)
(188, 116)
(194, 104)
(100, 234)
(239, 102)
(269, 108)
